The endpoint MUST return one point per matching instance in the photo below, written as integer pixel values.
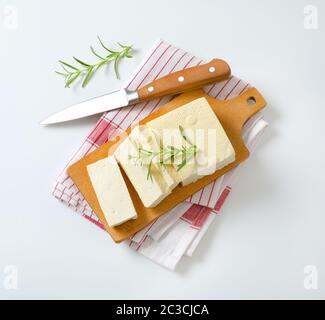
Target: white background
(273, 224)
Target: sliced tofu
(111, 191)
(147, 139)
(150, 190)
(202, 128)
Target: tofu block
(111, 191)
(150, 190)
(202, 128)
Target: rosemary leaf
(67, 65)
(95, 53)
(81, 62)
(87, 77)
(115, 67)
(181, 129)
(102, 44)
(188, 155)
(71, 79)
(61, 74)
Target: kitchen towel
(162, 59)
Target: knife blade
(174, 83)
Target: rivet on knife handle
(185, 80)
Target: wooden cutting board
(231, 113)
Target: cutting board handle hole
(251, 101)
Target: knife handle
(185, 80)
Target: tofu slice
(203, 129)
(150, 191)
(147, 139)
(111, 191)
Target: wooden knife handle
(185, 80)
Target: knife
(174, 83)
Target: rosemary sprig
(71, 73)
(168, 154)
